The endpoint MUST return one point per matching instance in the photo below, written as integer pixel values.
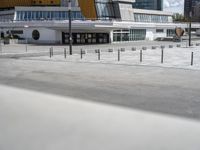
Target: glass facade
(149, 4)
(86, 38)
(46, 15)
(5, 18)
(129, 35)
(151, 18)
(189, 5)
(106, 9)
(171, 32)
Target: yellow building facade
(88, 8)
(46, 2)
(13, 3)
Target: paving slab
(37, 121)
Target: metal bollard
(162, 53)
(162, 47)
(0, 46)
(26, 45)
(65, 53)
(162, 56)
(50, 52)
(192, 58)
(118, 54)
(81, 53)
(99, 55)
(140, 55)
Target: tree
(179, 18)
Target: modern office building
(149, 4)
(189, 6)
(93, 21)
(196, 15)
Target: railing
(84, 19)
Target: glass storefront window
(151, 18)
(171, 32)
(129, 35)
(105, 9)
(46, 15)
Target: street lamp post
(70, 27)
(190, 26)
(0, 41)
(0, 45)
(26, 26)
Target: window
(35, 35)
(105, 9)
(129, 35)
(47, 15)
(171, 32)
(151, 18)
(159, 30)
(16, 31)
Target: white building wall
(126, 12)
(150, 34)
(46, 35)
(160, 35)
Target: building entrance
(86, 38)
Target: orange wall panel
(88, 9)
(13, 3)
(46, 2)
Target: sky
(176, 6)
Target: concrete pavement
(37, 121)
(161, 90)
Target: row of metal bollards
(1, 48)
(98, 51)
(141, 55)
(119, 54)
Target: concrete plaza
(52, 104)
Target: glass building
(47, 15)
(149, 4)
(107, 9)
(151, 18)
(189, 6)
(93, 22)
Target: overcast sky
(174, 5)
